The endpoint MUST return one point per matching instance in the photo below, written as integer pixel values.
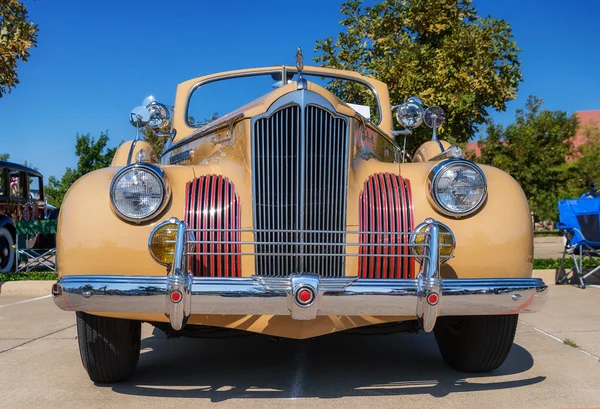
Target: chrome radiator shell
(300, 149)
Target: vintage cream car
(297, 215)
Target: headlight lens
(457, 187)
(138, 192)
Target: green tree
(439, 50)
(156, 141)
(93, 154)
(4, 156)
(17, 35)
(583, 167)
(534, 150)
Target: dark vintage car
(21, 198)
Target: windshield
(223, 95)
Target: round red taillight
(304, 295)
(433, 298)
(176, 296)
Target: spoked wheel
(7, 252)
(475, 343)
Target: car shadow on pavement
(327, 367)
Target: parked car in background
(296, 214)
(21, 198)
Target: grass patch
(553, 264)
(547, 233)
(570, 343)
(32, 275)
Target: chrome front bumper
(301, 296)
(270, 296)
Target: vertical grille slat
(212, 203)
(385, 205)
(300, 164)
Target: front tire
(109, 347)
(7, 251)
(475, 343)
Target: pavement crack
(554, 337)
(35, 339)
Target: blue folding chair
(580, 222)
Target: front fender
(494, 242)
(7, 223)
(92, 239)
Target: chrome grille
(300, 165)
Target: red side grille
(385, 205)
(212, 203)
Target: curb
(26, 288)
(549, 276)
(553, 239)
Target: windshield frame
(284, 70)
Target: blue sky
(96, 60)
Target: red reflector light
(304, 295)
(176, 296)
(433, 298)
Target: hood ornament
(299, 60)
(300, 66)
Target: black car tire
(109, 347)
(7, 251)
(475, 343)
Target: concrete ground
(40, 366)
(548, 247)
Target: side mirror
(139, 117)
(153, 114)
(434, 117)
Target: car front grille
(300, 163)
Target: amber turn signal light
(162, 242)
(446, 241)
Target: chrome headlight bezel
(433, 178)
(165, 190)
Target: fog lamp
(162, 242)
(446, 241)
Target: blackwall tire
(7, 251)
(109, 347)
(475, 343)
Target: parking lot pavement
(40, 366)
(548, 247)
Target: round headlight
(457, 187)
(138, 192)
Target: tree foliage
(17, 35)
(92, 155)
(4, 156)
(156, 141)
(439, 50)
(534, 150)
(583, 169)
